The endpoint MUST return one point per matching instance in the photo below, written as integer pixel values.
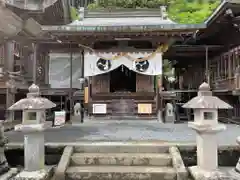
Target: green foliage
(186, 12)
(181, 11)
(128, 3)
(74, 13)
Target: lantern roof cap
(204, 87)
(205, 100)
(33, 101)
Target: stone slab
(44, 174)
(122, 159)
(199, 174)
(33, 175)
(8, 175)
(63, 163)
(206, 128)
(121, 147)
(120, 173)
(28, 128)
(234, 174)
(178, 164)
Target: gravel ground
(127, 130)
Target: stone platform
(144, 131)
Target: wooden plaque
(86, 94)
(144, 108)
(99, 108)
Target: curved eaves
(31, 5)
(45, 12)
(10, 23)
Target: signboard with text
(59, 118)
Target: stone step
(120, 173)
(122, 159)
(10, 174)
(111, 147)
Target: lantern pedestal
(43, 174)
(207, 146)
(200, 174)
(237, 168)
(34, 152)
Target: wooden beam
(35, 58)
(9, 66)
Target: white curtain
(59, 70)
(91, 69)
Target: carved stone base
(3, 162)
(9, 174)
(199, 174)
(34, 175)
(238, 165)
(4, 167)
(44, 174)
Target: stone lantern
(205, 107)
(33, 125)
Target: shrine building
(117, 61)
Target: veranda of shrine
(202, 52)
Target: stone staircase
(121, 162)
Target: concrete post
(9, 66)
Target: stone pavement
(149, 131)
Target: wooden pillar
(207, 66)
(157, 93)
(35, 56)
(25, 62)
(71, 83)
(82, 69)
(159, 99)
(230, 65)
(46, 75)
(9, 66)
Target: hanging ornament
(103, 65)
(142, 66)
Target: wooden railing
(124, 95)
(224, 84)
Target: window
(32, 115)
(208, 115)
